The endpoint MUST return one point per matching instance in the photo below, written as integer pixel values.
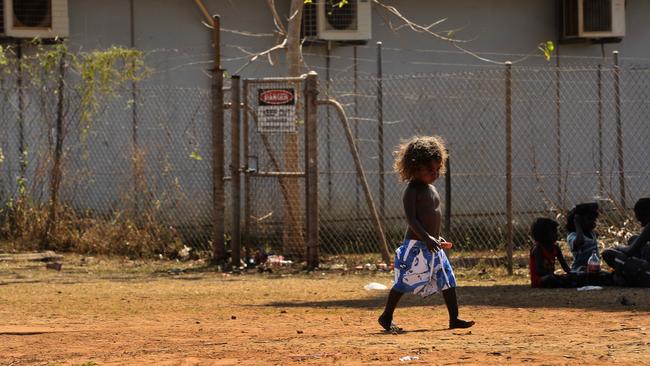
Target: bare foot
(460, 324)
(388, 325)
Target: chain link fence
(577, 136)
(139, 175)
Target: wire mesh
(578, 134)
(566, 150)
(145, 158)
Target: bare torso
(427, 209)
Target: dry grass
(25, 225)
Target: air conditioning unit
(349, 21)
(45, 19)
(593, 19)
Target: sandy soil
(118, 315)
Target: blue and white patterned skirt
(420, 271)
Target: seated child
(632, 262)
(582, 239)
(543, 255)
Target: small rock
(233, 317)
(299, 331)
(283, 311)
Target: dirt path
(207, 319)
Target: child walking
(421, 266)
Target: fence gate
(278, 145)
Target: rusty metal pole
(558, 133)
(218, 208)
(355, 101)
(380, 133)
(235, 171)
(448, 197)
(509, 228)
(245, 148)
(22, 143)
(311, 167)
(601, 183)
(619, 130)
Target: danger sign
(276, 110)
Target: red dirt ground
(134, 314)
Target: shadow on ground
(510, 296)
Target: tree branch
(276, 18)
(263, 53)
(448, 37)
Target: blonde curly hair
(417, 153)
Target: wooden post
(218, 206)
(311, 168)
(235, 171)
(619, 130)
(509, 228)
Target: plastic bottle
(593, 264)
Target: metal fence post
(509, 229)
(619, 130)
(311, 167)
(245, 148)
(558, 133)
(448, 196)
(601, 183)
(22, 143)
(380, 133)
(235, 169)
(355, 92)
(218, 205)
